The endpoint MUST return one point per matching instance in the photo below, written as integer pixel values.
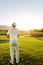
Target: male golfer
(13, 33)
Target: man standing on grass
(13, 33)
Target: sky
(28, 14)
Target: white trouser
(14, 43)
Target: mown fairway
(30, 49)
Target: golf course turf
(30, 50)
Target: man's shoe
(17, 61)
(11, 62)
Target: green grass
(30, 49)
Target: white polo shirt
(13, 32)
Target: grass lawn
(30, 49)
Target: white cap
(14, 24)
